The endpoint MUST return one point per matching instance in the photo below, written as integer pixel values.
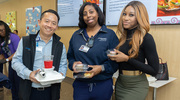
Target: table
(158, 84)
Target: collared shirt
(42, 49)
(96, 55)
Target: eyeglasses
(1, 30)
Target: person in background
(28, 59)
(1, 70)
(15, 32)
(88, 45)
(135, 45)
(9, 43)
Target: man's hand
(3, 61)
(32, 74)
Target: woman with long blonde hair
(135, 45)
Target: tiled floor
(66, 91)
(5, 94)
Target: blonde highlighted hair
(143, 27)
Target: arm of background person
(15, 41)
(1, 56)
(10, 57)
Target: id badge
(84, 48)
(39, 49)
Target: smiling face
(48, 24)
(129, 18)
(2, 31)
(90, 16)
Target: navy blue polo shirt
(105, 39)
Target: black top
(147, 51)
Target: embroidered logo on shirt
(102, 39)
(28, 48)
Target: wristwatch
(7, 59)
(103, 69)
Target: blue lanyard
(37, 40)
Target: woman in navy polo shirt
(88, 45)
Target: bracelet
(102, 67)
(7, 59)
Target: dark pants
(1, 70)
(40, 94)
(101, 90)
(14, 78)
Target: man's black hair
(50, 11)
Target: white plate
(51, 77)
